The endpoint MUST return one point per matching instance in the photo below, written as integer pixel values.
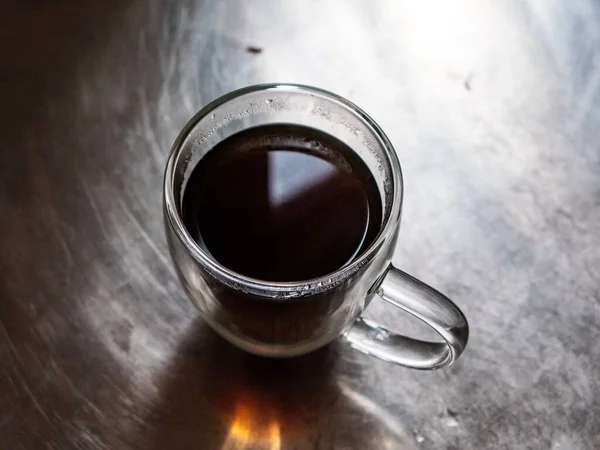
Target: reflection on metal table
(493, 108)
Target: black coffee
(282, 203)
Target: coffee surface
(282, 203)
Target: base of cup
(268, 350)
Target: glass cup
(283, 319)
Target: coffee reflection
(253, 424)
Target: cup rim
(279, 288)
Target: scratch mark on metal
(164, 260)
(587, 98)
(148, 130)
(95, 208)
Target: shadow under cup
(281, 318)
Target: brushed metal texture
(494, 109)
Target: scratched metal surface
(494, 110)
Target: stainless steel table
(494, 108)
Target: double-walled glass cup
(282, 319)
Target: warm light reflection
(254, 427)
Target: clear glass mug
(283, 319)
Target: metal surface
(494, 110)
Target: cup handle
(423, 302)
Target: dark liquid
(282, 203)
